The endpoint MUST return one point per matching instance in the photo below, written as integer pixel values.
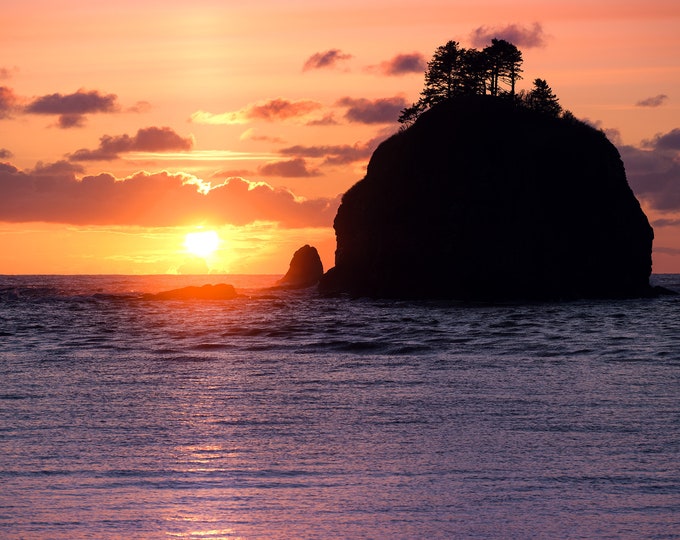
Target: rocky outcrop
(484, 200)
(221, 291)
(305, 269)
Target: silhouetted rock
(484, 200)
(305, 269)
(221, 291)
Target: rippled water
(284, 415)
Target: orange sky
(126, 125)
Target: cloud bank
(55, 194)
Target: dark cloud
(665, 141)
(326, 59)
(8, 102)
(271, 110)
(72, 108)
(654, 174)
(57, 168)
(151, 139)
(293, 168)
(67, 121)
(55, 194)
(655, 101)
(401, 64)
(658, 223)
(334, 154)
(517, 35)
(378, 111)
(80, 102)
(5, 154)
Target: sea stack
(481, 199)
(305, 269)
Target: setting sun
(202, 244)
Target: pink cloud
(270, 111)
(7, 73)
(55, 194)
(517, 35)
(8, 101)
(5, 154)
(325, 59)
(151, 139)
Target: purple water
(284, 415)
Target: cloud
(378, 111)
(7, 73)
(326, 59)
(333, 154)
(151, 139)
(72, 108)
(401, 64)
(655, 101)
(80, 102)
(654, 172)
(658, 223)
(293, 168)
(8, 102)
(140, 107)
(67, 121)
(270, 111)
(515, 34)
(326, 120)
(251, 135)
(665, 141)
(56, 195)
(5, 154)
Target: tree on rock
(504, 61)
(542, 99)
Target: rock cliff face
(482, 200)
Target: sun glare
(202, 244)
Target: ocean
(281, 414)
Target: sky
(126, 126)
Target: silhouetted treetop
(495, 70)
(542, 99)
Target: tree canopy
(495, 70)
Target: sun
(202, 244)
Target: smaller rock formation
(305, 269)
(221, 291)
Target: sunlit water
(285, 415)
